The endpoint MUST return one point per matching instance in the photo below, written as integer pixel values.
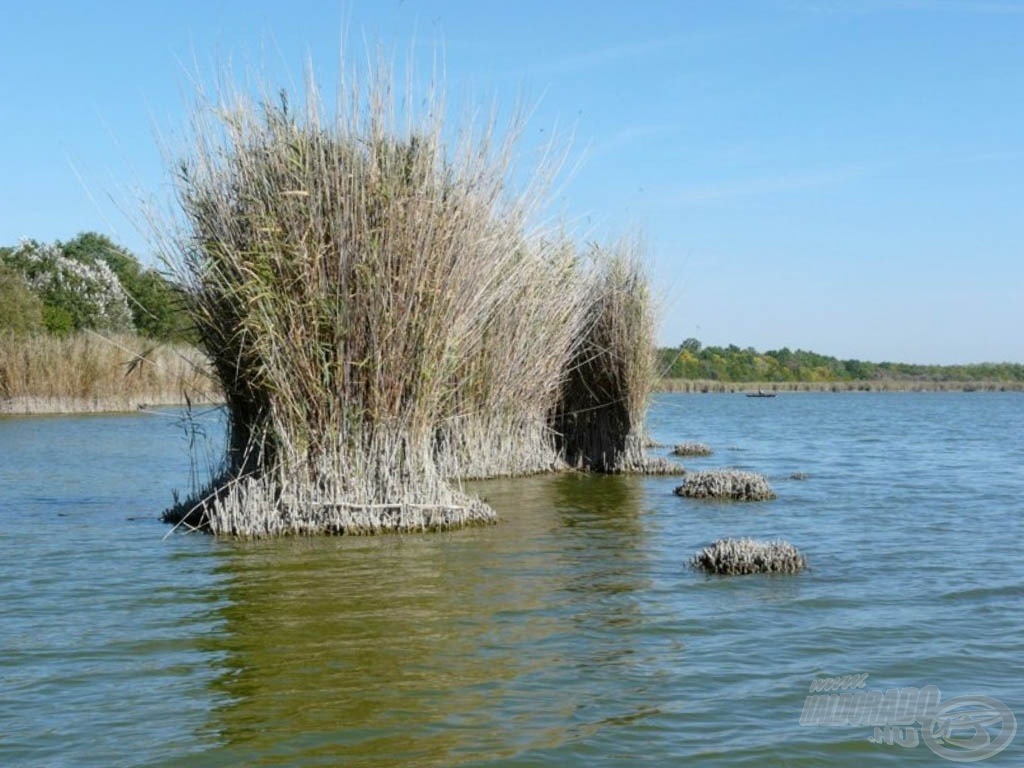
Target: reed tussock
(498, 420)
(692, 449)
(735, 557)
(600, 418)
(384, 322)
(91, 372)
(656, 465)
(726, 484)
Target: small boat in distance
(760, 393)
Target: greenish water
(573, 633)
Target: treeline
(692, 360)
(87, 283)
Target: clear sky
(845, 176)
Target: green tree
(92, 282)
(75, 294)
(156, 303)
(692, 361)
(21, 311)
(92, 248)
(158, 308)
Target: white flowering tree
(75, 294)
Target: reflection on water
(435, 649)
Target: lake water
(573, 633)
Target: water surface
(573, 633)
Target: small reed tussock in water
(733, 557)
(731, 484)
(383, 321)
(692, 449)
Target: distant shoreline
(69, 406)
(709, 386)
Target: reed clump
(726, 484)
(735, 557)
(692, 449)
(600, 417)
(383, 322)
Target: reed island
(385, 319)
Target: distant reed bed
(384, 320)
(89, 372)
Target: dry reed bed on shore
(383, 320)
(88, 372)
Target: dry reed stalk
(341, 495)
(497, 422)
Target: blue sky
(837, 175)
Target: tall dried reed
(600, 418)
(381, 318)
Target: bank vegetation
(88, 372)
(692, 367)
